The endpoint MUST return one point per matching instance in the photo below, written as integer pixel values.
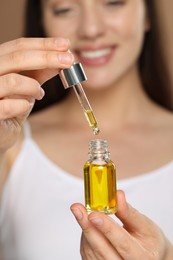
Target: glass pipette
(73, 77)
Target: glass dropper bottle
(100, 179)
(72, 77)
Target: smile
(95, 57)
(95, 54)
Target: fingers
(126, 246)
(132, 219)
(18, 85)
(95, 243)
(111, 238)
(34, 60)
(15, 108)
(35, 54)
(86, 250)
(17, 95)
(56, 44)
(99, 227)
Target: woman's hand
(138, 238)
(25, 64)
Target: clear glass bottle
(100, 179)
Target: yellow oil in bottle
(92, 121)
(100, 187)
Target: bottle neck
(98, 150)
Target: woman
(114, 42)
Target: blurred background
(11, 19)
(12, 14)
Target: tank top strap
(27, 130)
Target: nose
(91, 24)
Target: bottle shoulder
(105, 162)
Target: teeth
(95, 54)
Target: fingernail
(77, 213)
(97, 221)
(66, 58)
(41, 94)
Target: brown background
(11, 19)
(11, 25)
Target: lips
(95, 56)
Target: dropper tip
(96, 130)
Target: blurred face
(106, 35)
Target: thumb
(133, 220)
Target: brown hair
(152, 65)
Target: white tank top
(35, 218)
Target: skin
(103, 238)
(24, 79)
(20, 80)
(127, 113)
(118, 29)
